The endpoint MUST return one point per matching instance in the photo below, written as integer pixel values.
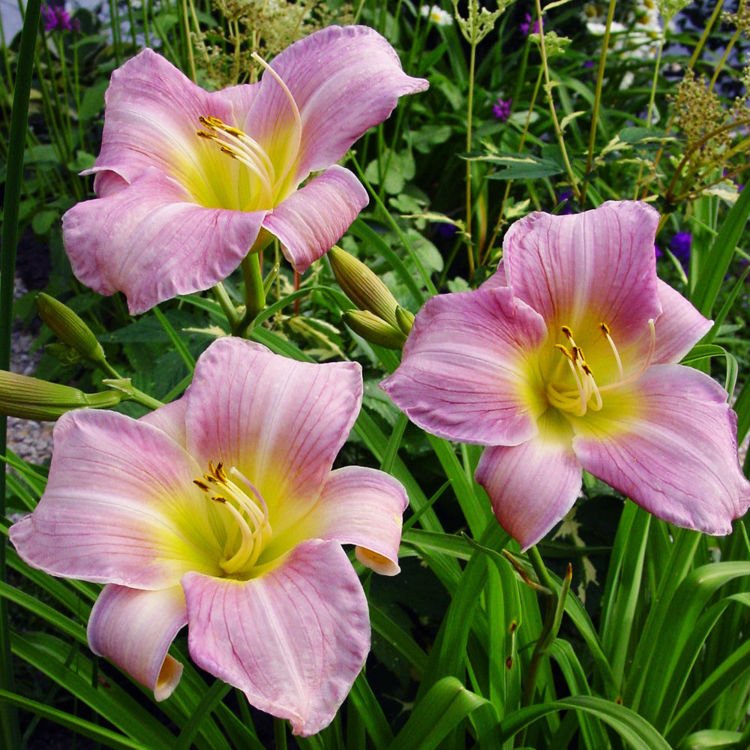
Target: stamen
(610, 341)
(240, 146)
(582, 393)
(249, 529)
(565, 351)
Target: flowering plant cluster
(331, 410)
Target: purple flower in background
(588, 63)
(680, 246)
(56, 18)
(564, 198)
(527, 27)
(657, 252)
(446, 230)
(501, 109)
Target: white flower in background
(437, 15)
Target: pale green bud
(373, 329)
(363, 287)
(31, 398)
(69, 327)
(405, 319)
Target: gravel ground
(30, 440)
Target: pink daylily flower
(187, 180)
(566, 360)
(221, 511)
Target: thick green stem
(227, 305)
(9, 730)
(255, 291)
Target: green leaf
(721, 254)
(711, 689)
(631, 727)
(514, 167)
(440, 711)
(371, 714)
(43, 221)
(79, 726)
(712, 739)
(399, 639)
(65, 666)
(92, 102)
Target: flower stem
(650, 110)
(124, 385)
(598, 98)
(255, 291)
(555, 607)
(227, 306)
(553, 112)
(469, 123)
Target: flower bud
(31, 398)
(69, 327)
(363, 287)
(373, 329)
(405, 319)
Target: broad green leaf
(631, 727)
(74, 723)
(721, 254)
(441, 710)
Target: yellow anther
(249, 528)
(240, 146)
(568, 333)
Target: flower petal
(668, 441)
(151, 118)
(311, 220)
(531, 486)
(151, 242)
(679, 327)
(344, 81)
(134, 629)
(170, 419)
(583, 269)
(279, 421)
(116, 487)
(294, 640)
(364, 507)
(464, 374)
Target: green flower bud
(363, 287)
(69, 327)
(31, 398)
(373, 329)
(405, 319)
